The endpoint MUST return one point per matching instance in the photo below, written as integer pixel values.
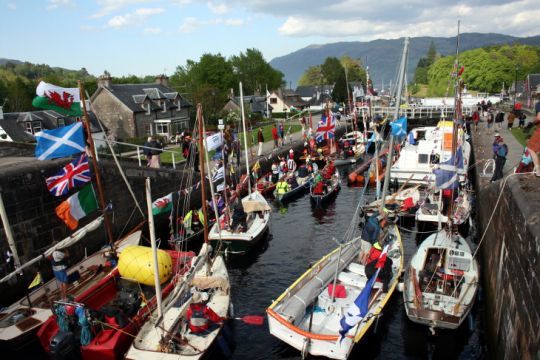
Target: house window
(28, 127)
(36, 126)
(273, 100)
(148, 129)
(162, 128)
(61, 122)
(178, 106)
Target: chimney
(162, 80)
(231, 93)
(105, 80)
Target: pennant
(256, 166)
(66, 101)
(359, 308)
(74, 174)
(61, 142)
(77, 206)
(38, 280)
(399, 127)
(162, 205)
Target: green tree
(355, 69)
(255, 73)
(332, 70)
(312, 76)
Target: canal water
(299, 236)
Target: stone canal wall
(510, 256)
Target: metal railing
(428, 112)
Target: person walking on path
(476, 119)
(260, 140)
(281, 132)
(275, 136)
(499, 118)
(510, 119)
(501, 151)
(489, 122)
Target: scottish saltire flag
(446, 176)
(399, 127)
(61, 142)
(74, 174)
(360, 307)
(326, 128)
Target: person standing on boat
(275, 172)
(200, 317)
(372, 229)
(282, 186)
(291, 164)
(59, 268)
(260, 140)
(500, 158)
(385, 274)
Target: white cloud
(234, 22)
(54, 4)
(217, 8)
(11, 6)
(138, 16)
(109, 6)
(152, 30)
(361, 20)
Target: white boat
(306, 317)
(20, 321)
(167, 334)
(357, 141)
(433, 146)
(441, 281)
(239, 242)
(432, 208)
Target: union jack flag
(326, 128)
(74, 174)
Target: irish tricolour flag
(77, 206)
(66, 101)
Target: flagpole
(9, 234)
(101, 197)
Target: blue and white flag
(371, 140)
(360, 307)
(399, 127)
(446, 176)
(213, 141)
(61, 142)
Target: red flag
(461, 71)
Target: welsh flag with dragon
(65, 101)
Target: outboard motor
(64, 346)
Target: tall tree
(255, 73)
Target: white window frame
(28, 126)
(61, 122)
(164, 106)
(148, 109)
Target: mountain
(383, 56)
(4, 61)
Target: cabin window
(434, 159)
(423, 158)
(420, 135)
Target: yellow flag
(231, 168)
(256, 167)
(37, 281)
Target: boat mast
(151, 228)
(9, 234)
(245, 137)
(402, 69)
(101, 195)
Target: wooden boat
(264, 184)
(306, 317)
(332, 189)
(303, 185)
(357, 176)
(20, 321)
(233, 241)
(108, 339)
(441, 281)
(356, 139)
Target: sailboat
(166, 335)
(237, 240)
(332, 305)
(442, 278)
(20, 321)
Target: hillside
(383, 55)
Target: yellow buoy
(135, 263)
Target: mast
(402, 69)
(151, 228)
(348, 96)
(101, 196)
(245, 137)
(201, 162)
(9, 234)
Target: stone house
(253, 104)
(285, 101)
(139, 110)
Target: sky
(150, 37)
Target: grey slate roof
(126, 92)
(15, 131)
(534, 81)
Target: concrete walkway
(483, 142)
